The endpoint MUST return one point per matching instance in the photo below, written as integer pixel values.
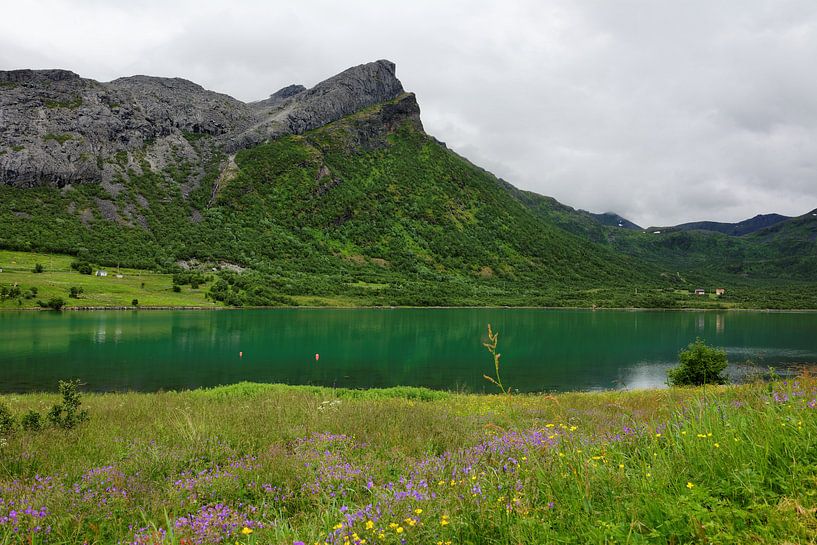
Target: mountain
(332, 195)
(334, 191)
(58, 128)
(761, 221)
(611, 219)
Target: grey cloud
(662, 111)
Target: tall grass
(274, 464)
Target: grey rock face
(58, 128)
(280, 95)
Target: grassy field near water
(271, 464)
(149, 288)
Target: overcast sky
(663, 111)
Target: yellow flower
(338, 526)
(658, 435)
(369, 525)
(649, 474)
(393, 525)
(399, 529)
(246, 531)
(717, 445)
(690, 485)
(621, 466)
(418, 511)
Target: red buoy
(317, 357)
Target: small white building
(119, 276)
(700, 291)
(102, 273)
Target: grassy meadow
(272, 464)
(149, 288)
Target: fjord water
(542, 350)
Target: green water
(361, 348)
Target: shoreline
(384, 307)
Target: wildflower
(246, 531)
(717, 445)
(418, 511)
(338, 526)
(621, 466)
(369, 524)
(399, 529)
(690, 485)
(393, 525)
(658, 435)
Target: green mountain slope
(367, 207)
(784, 251)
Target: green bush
(68, 413)
(38, 268)
(55, 303)
(699, 364)
(135, 303)
(82, 267)
(74, 292)
(32, 421)
(6, 420)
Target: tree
(699, 364)
(82, 267)
(135, 303)
(55, 303)
(75, 292)
(38, 268)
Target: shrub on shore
(699, 364)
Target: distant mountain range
(333, 192)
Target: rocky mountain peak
(36, 76)
(58, 128)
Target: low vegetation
(256, 464)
